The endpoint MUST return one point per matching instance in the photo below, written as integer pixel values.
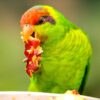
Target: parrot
(57, 52)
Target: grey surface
(40, 96)
(90, 98)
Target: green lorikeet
(58, 53)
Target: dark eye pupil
(41, 20)
(44, 19)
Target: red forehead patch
(32, 16)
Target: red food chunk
(34, 43)
(30, 52)
(30, 68)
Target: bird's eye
(45, 19)
(41, 20)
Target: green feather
(66, 56)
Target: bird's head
(42, 22)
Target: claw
(75, 92)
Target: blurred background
(84, 13)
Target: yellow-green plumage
(66, 57)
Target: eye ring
(44, 19)
(41, 20)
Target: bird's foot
(70, 95)
(74, 92)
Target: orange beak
(27, 32)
